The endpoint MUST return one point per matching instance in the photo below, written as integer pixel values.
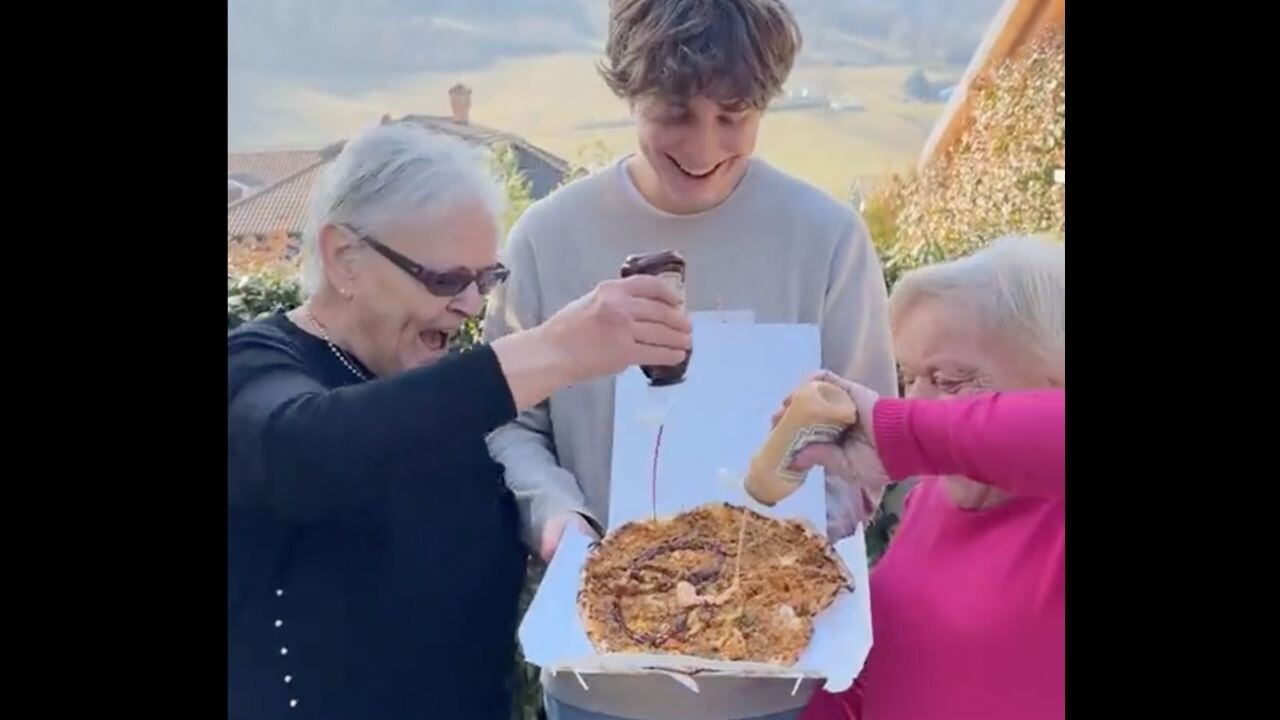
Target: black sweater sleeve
(301, 449)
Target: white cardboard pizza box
(712, 423)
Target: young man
(698, 76)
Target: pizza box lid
(711, 424)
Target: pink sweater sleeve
(1015, 440)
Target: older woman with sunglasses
(374, 555)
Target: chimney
(460, 103)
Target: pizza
(719, 582)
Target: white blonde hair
(1017, 285)
(391, 172)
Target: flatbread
(675, 586)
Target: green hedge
(997, 180)
(250, 297)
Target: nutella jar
(669, 266)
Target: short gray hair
(1018, 286)
(388, 172)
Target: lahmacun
(682, 585)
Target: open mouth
(697, 173)
(436, 339)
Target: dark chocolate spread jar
(669, 266)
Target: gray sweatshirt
(778, 247)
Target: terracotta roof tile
(271, 167)
(280, 207)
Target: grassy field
(549, 99)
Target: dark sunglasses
(449, 283)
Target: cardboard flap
(711, 423)
(551, 632)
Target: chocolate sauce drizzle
(699, 578)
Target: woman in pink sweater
(968, 602)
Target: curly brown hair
(737, 52)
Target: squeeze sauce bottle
(818, 412)
(669, 266)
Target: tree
(505, 165)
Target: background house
(268, 192)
